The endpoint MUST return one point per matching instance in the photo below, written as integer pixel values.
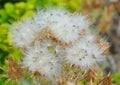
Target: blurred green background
(104, 14)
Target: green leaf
(9, 8)
(116, 78)
(3, 16)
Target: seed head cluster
(54, 37)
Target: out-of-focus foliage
(6, 48)
(10, 13)
(2, 2)
(73, 5)
(116, 78)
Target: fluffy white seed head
(85, 54)
(42, 36)
(40, 59)
(23, 35)
(63, 25)
(66, 27)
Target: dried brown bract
(14, 70)
(107, 80)
(91, 74)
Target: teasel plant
(59, 48)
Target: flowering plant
(59, 47)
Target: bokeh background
(104, 15)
